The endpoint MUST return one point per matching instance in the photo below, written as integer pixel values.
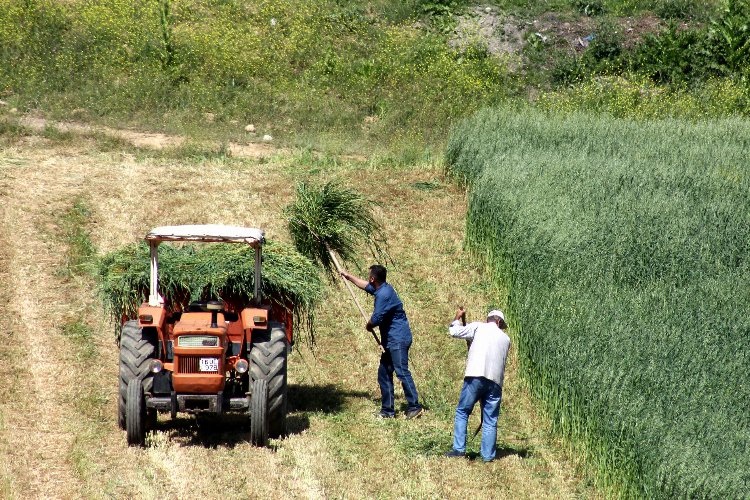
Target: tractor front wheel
(268, 361)
(259, 413)
(135, 414)
(137, 349)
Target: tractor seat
(206, 306)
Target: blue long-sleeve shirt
(389, 315)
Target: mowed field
(59, 359)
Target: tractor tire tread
(135, 353)
(268, 360)
(135, 414)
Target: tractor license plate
(209, 364)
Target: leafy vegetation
(356, 71)
(189, 273)
(285, 65)
(623, 246)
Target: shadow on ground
(505, 451)
(232, 429)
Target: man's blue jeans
(396, 358)
(489, 394)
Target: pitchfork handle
(351, 291)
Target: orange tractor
(207, 357)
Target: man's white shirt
(488, 350)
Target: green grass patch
(624, 247)
(80, 334)
(12, 131)
(79, 250)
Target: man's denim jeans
(489, 394)
(396, 358)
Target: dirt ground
(58, 433)
(506, 35)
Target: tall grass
(626, 250)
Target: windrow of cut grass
(625, 248)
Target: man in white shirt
(483, 379)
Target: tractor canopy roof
(208, 233)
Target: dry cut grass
(58, 435)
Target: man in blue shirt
(396, 338)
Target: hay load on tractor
(211, 332)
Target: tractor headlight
(241, 366)
(156, 366)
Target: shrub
(638, 97)
(674, 55)
(589, 7)
(729, 38)
(624, 248)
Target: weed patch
(79, 249)
(80, 334)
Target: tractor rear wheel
(268, 361)
(135, 414)
(137, 349)
(259, 412)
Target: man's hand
(460, 314)
(359, 282)
(370, 327)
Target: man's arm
(460, 330)
(359, 282)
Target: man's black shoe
(454, 454)
(383, 414)
(415, 413)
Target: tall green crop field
(625, 247)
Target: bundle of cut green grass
(625, 249)
(333, 218)
(192, 272)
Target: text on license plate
(209, 364)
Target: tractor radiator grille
(197, 341)
(192, 364)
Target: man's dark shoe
(415, 413)
(455, 454)
(383, 414)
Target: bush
(721, 49)
(674, 55)
(624, 249)
(589, 7)
(681, 9)
(729, 38)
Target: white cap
(496, 312)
